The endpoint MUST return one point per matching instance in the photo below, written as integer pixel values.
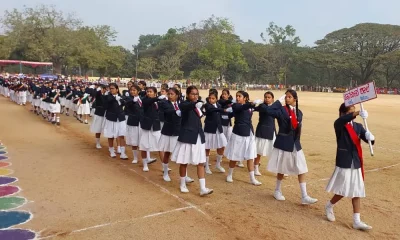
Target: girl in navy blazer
(265, 131)
(226, 101)
(150, 128)
(287, 157)
(348, 178)
(115, 124)
(98, 121)
(163, 92)
(215, 138)
(241, 145)
(190, 148)
(134, 111)
(170, 130)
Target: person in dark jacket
(215, 138)
(265, 131)
(348, 178)
(115, 124)
(287, 157)
(241, 145)
(171, 128)
(190, 148)
(134, 111)
(226, 102)
(98, 121)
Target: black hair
(230, 98)
(135, 87)
(244, 94)
(294, 94)
(179, 86)
(152, 88)
(142, 83)
(213, 90)
(164, 86)
(215, 94)
(343, 109)
(176, 91)
(116, 87)
(269, 93)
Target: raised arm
(341, 121)
(187, 106)
(236, 107)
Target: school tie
(140, 102)
(176, 107)
(198, 112)
(155, 104)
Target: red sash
(293, 117)
(357, 142)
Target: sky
(312, 19)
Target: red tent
(26, 63)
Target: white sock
(119, 148)
(278, 185)
(329, 204)
(97, 140)
(58, 119)
(207, 160)
(54, 118)
(165, 167)
(134, 154)
(148, 155)
(186, 174)
(111, 149)
(252, 177)
(144, 163)
(256, 168)
(183, 181)
(303, 188)
(202, 182)
(356, 217)
(123, 150)
(219, 160)
(230, 172)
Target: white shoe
(151, 160)
(167, 178)
(229, 179)
(208, 171)
(279, 196)
(240, 164)
(361, 226)
(256, 182)
(98, 146)
(189, 179)
(119, 150)
(308, 200)
(135, 161)
(123, 156)
(220, 169)
(145, 169)
(257, 172)
(184, 189)
(112, 154)
(285, 175)
(329, 213)
(206, 191)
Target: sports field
(75, 191)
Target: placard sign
(360, 94)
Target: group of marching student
(169, 122)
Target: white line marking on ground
(121, 221)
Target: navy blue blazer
(53, 99)
(142, 94)
(287, 137)
(226, 104)
(150, 115)
(172, 122)
(212, 123)
(266, 123)
(134, 112)
(99, 99)
(243, 124)
(191, 126)
(114, 111)
(161, 107)
(77, 94)
(346, 151)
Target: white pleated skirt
(149, 140)
(161, 125)
(114, 129)
(215, 141)
(84, 108)
(264, 146)
(347, 182)
(241, 148)
(132, 135)
(186, 153)
(69, 104)
(36, 102)
(167, 143)
(290, 163)
(63, 101)
(227, 132)
(97, 124)
(55, 107)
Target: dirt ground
(78, 192)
